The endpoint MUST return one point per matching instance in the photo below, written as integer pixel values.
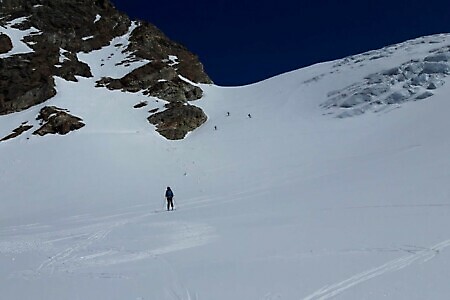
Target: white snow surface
(290, 203)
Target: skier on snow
(169, 197)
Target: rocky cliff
(57, 31)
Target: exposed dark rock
(66, 22)
(5, 43)
(17, 5)
(150, 43)
(57, 121)
(141, 104)
(16, 132)
(72, 67)
(25, 80)
(141, 78)
(175, 90)
(177, 120)
(155, 79)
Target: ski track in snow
(65, 256)
(333, 290)
(80, 246)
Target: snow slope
(292, 203)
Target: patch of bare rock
(141, 104)
(55, 120)
(16, 132)
(25, 80)
(5, 43)
(177, 120)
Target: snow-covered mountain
(326, 182)
(45, 39)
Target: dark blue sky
(241, 42)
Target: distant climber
(215, 127)
(249, 115)
(228, 113)
(169, 197)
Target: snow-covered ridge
(410, 46)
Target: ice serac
(411, 80)
(59, 30)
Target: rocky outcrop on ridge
(150, 43)
(161, 76)
(60, 29)
(157, 81)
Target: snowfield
(293, 202)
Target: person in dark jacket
(169, 197)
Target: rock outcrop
(150, 43)
(16, 132)
(71, 67)
(161, 77)
(177, 120)
(25, 80)
(141, 104)
(5, 43)
(55, 120)
(161, 83)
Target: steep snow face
(276, 197)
